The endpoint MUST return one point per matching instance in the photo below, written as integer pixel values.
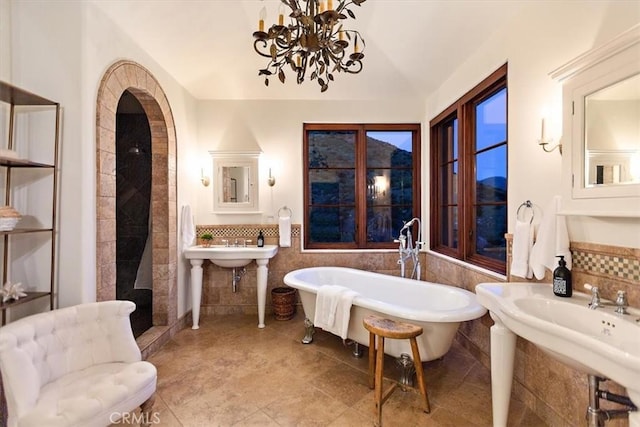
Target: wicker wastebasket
(284, 302)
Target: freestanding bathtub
(439, 309)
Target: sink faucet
(621, 303)
(595, 296)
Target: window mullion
(468, 190)
(361, 185)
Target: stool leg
(378, 380)
(372, 360)
(420, 374)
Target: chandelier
(314, 41)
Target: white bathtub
(439, 309)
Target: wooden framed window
(361, 183)
(469, 176)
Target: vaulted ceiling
(207, 45)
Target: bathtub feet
(309, 330)
(407, 370)
(357, 350)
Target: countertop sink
(597, 342)
(231, 256)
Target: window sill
(346, 251)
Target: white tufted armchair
(76, 366)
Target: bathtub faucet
(407, 250)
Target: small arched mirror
(235, 183)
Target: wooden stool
(387, 328)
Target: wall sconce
(204, 179)
(272, 179)
(544, 141)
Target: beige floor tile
(230, 373)
(259, 419)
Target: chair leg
(378, 381)
(420, 373)
(145, 411)
(372, 360)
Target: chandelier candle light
(314, 40)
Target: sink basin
(607, 328)
(231, 256)
(598, 342)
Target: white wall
(544, 36)
(61, 50)
(276, 128)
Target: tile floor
(230, 373)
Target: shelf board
(22, 163)
(30, 297)
(26, 230)
(16, 96)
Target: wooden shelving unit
(16, 97)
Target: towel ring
(286, 209)
(526, 205)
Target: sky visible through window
(491, 128)
(400, 139)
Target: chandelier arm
(257, 49)
(283, 49)
(283, 44)
(348, 69)
(302, 70)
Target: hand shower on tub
(407, 250)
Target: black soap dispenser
(260, 239)
(562, 279)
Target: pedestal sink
(229, 257)
(597, 342)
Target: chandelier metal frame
(314, 40)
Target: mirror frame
(586, 74)
(222, 159)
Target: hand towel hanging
(284, 226)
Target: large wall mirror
(235, 182)
(601, 129)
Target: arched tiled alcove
(121, 76)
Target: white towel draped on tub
(188, 228)
(552, 240)
(333, 309)
(522, 243)
(284, 230)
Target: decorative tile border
(613, 262)
(609, 262)
(244, 231)
(621, 268)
